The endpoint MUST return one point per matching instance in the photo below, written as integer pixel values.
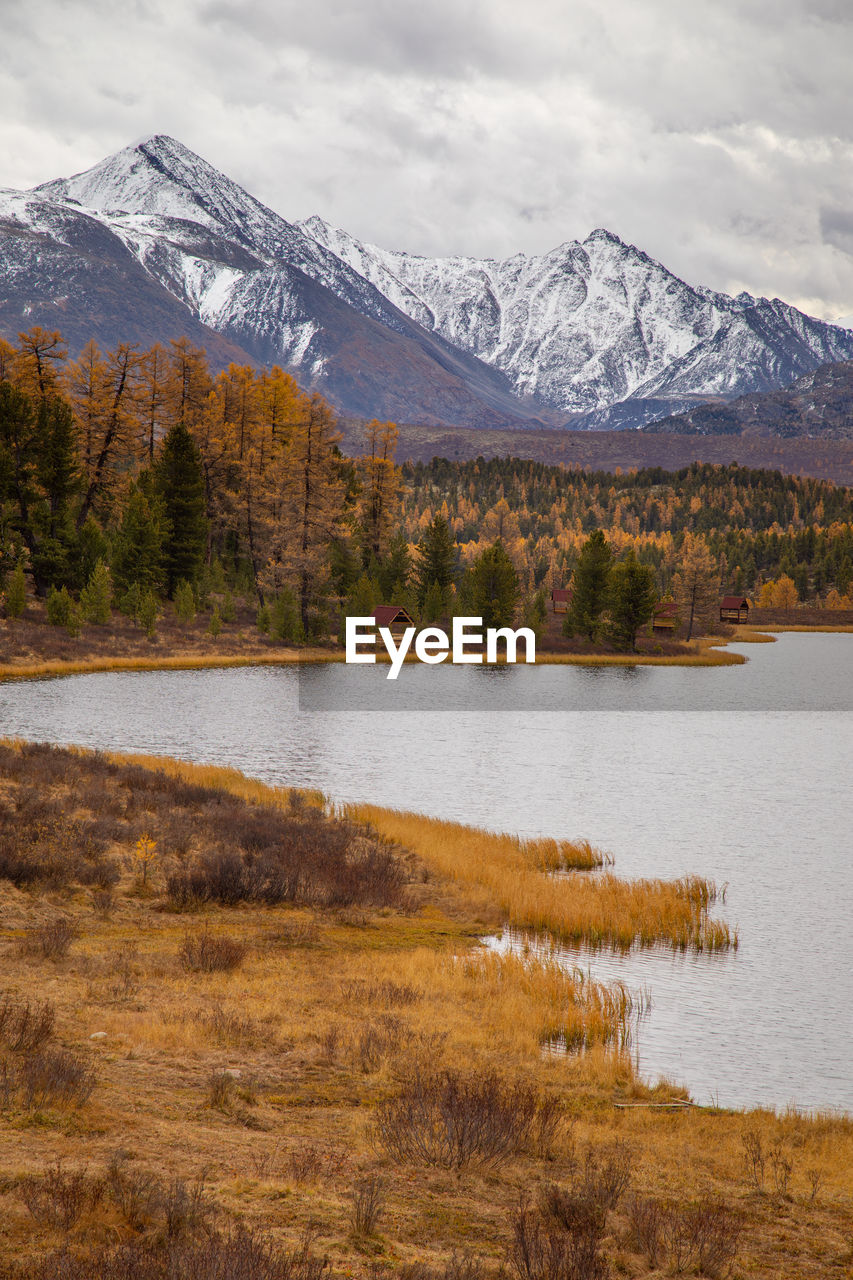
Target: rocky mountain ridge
(155, 241)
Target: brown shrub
(25, 1025)
(239, 1254)
(368, 1202)
(136, 1193)
(51, 940)
(310, 1162)
(220, 1090)
(702, 1237)
(207, 952)
(449, 1119)
(547, 1248)
(48, 1076)
(58, 1197)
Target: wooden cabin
(561, 599)
(665, 617)
(392, 617)
(734, 609)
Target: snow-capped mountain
(153, 242)
(591, 324)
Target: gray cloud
(718, 138)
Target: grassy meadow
(245, 1036)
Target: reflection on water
(741, 774)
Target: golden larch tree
(380, 479)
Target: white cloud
(717, 138)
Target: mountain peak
(601, 234)
(158, 176)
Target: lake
(741, 774)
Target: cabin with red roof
(734, 609)
(392, 617)
(665, 617)
(561, 599)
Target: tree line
(130, 477)
(757, 525)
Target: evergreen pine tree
(589, 587)
(62, 611)
(138, 548)
(285, 617)
(631, 599)
(434, 604)
(395, 570)
(146, 614)
(96, 597)
(536, 613)
(435, 560)
(495, 589)
(16, 592)
(184, 602)
(179, 481)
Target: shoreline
(231, 1076)
(709, 652)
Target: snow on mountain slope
(591, 324)
(237, 267)
(591, 333)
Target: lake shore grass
(270, 1072)
(707, 652)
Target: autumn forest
(130, 478)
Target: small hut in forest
(734, 609)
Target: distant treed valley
(139, 481)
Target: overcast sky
(716, 136)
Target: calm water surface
(742, 774)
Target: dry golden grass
(841, 628)
(596, 909)
(327, 1008)
(28, 670)
(706, 652)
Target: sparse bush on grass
(753, 1158)
(782, 1166)
(311, 1162)
(25, 1024)
(136, 1193)
(185, 1207)
(51, 940)
(379, 1040)
(703, 1237)
(330, 1041)
(48, 1076)
(545, 1247)
(229, 1027)
(59, 1197)
(103, 901)
(238, 1254)
(368, 1202)
(393, 994)
(220, 1090)
(603, 1175)
(124, 972)
(450, 1119)
(459, 1266)
(303, 858)
(208, 952)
